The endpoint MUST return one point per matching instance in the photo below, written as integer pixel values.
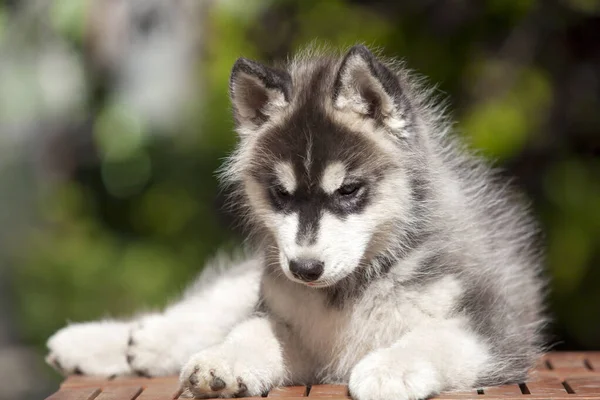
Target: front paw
(215, 372)
(382, 375)
(93, 348)
(151, 348)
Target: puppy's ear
(367, 87)
(257, 93)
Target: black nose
(306, 269)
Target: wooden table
(558, 376)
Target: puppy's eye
(349, 189)
(280, 192)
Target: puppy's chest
(345, 331)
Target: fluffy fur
(388, 257)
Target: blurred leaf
(513, 10)
(165, 210)
(585, 6)
(119, 133)
(501, 125)
(126, 177)
(569, 252)
(337, 23)
(69, 17)
(574, 223)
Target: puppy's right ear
(257, 93)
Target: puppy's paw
(152, 347)
(380, 376)
(215, 372)
(93, 348)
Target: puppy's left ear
(367, 87)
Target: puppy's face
(322, 177)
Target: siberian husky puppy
(386, 256)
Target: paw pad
(217, 384)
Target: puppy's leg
(435, 357)
(92, 348)
(248, 363)
(159, 344)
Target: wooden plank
(471, 394)
(140, 380)
(338, 391)
(161, 391)
(120, 393)
(83, 381)
(188, 395)
(87, 381)
(546, 387)
(585, 386)
(509, 391)
(566, 365)
(75, 394)
(288, 391)
(574, 362)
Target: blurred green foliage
(127, 233)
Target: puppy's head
(321, 161)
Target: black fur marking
(353, 286)
(348, 289)
(419, 187)
(476, 304)
(418, 232)
(385, 263)
(279, 201)
(430, 269)
(272, 78)
(308, 223)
